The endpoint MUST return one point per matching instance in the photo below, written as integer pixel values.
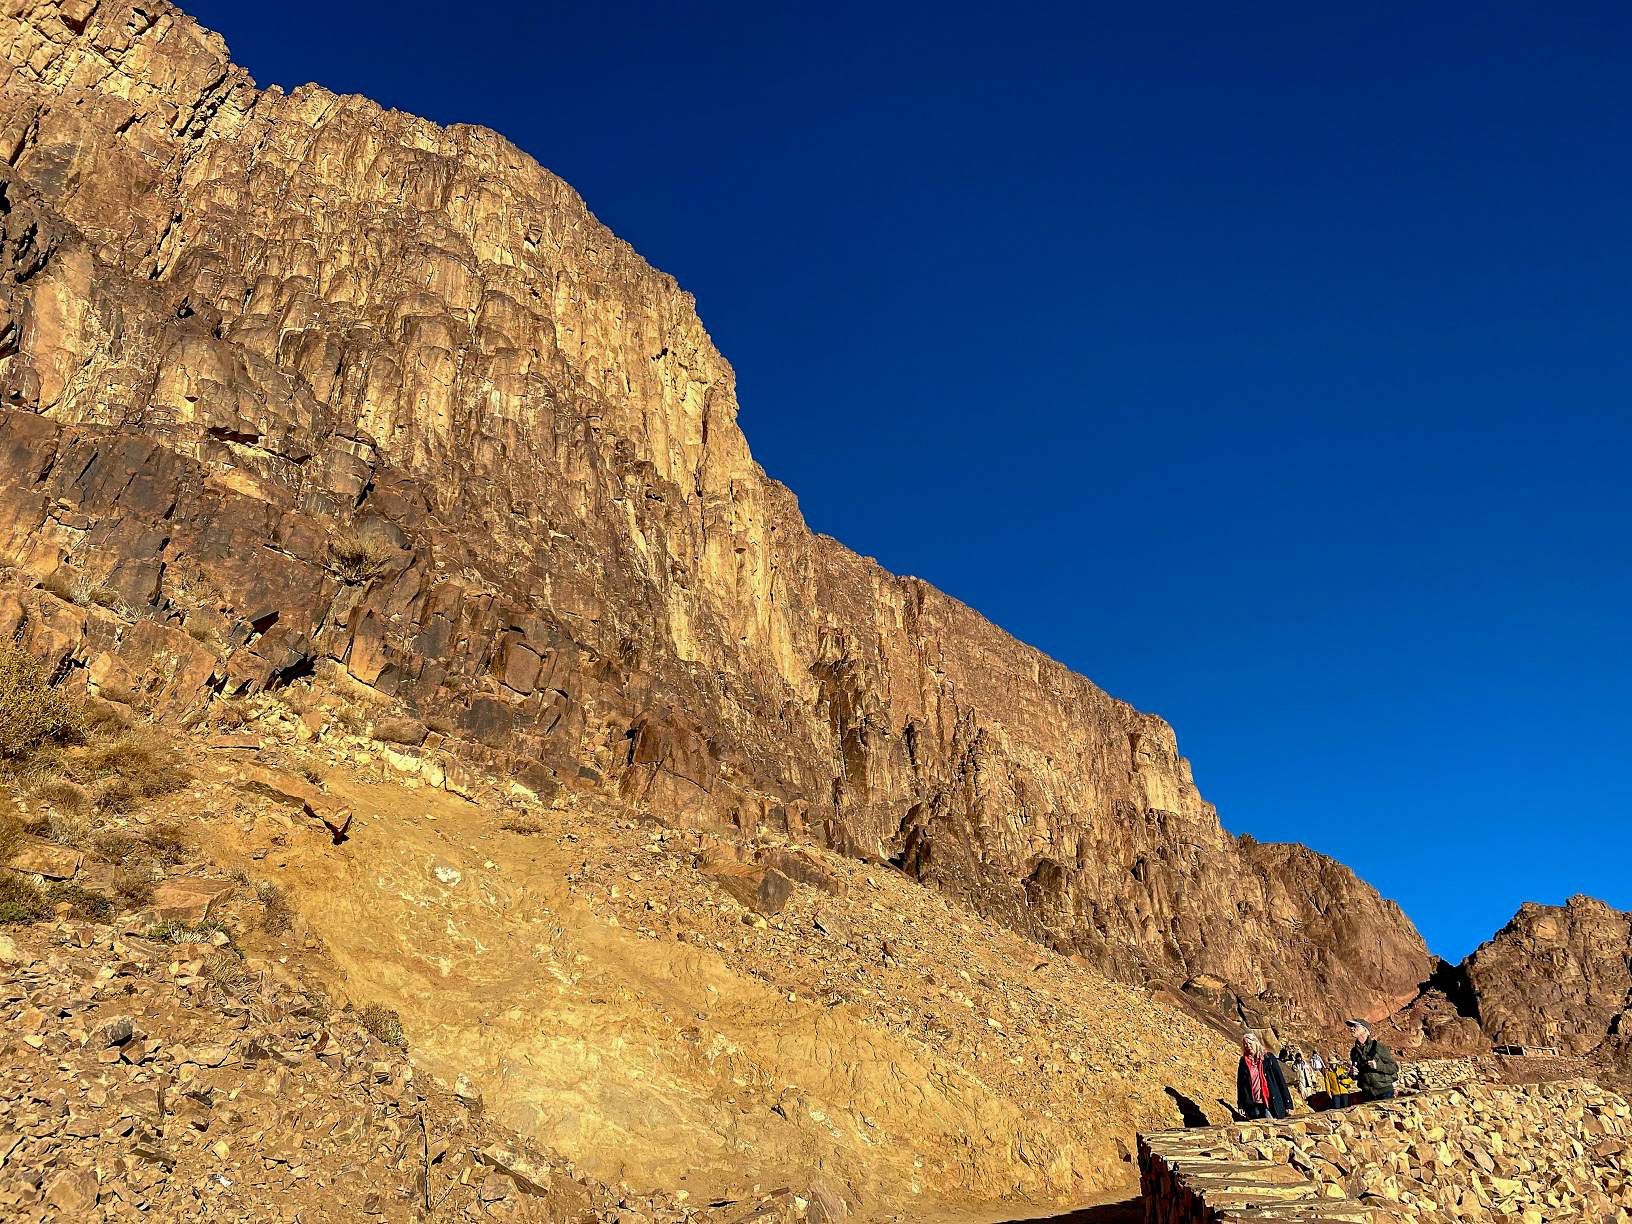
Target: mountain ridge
(314, 388)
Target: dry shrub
(11, 833)
(522, 824)
(68, 828)
(134, 886)
(312, 773)
(400, 731)
(382, 1022)
(21, 900)
(359, 556)
(352, 721)
(32, 713)
(277, 915)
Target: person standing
(1260, 1087)
(1374, 1066)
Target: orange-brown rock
(297, 386)
(1557, 976)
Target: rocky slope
(665, 1008)
(297, 386)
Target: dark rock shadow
(1188, 1109)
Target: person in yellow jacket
(1339, 1082)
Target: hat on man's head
(1365, 1024)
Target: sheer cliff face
(242, 325)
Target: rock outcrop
(1557, 976)
(295, 386)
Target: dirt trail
(1123, 1206)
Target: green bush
(91, 906)
(32, 713)
(21, 900)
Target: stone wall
(1516, 1154)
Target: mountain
(299, 389)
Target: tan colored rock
(35, 856)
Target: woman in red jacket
(1260, 1088)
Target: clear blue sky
(1267, 363)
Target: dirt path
(1123, 1206)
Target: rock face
(297, 386)
(1556, 975)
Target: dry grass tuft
(33, 715)
(522, 824)
(358, 556)
(408, 731)
(277, 916)
(382, 1022)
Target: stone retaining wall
(1482, 1153)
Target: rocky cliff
(298, 387)
(1556, 976)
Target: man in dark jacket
(1374, 1066)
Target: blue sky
(1268, 364)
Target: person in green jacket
(1373, 1064)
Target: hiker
(1339, 1082)
(1373, 1063)
(1307, 1083)
(1260, 1088)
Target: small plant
(382, 1022)
(173, 931)
(408, 731)
(352, 721)
(312, 773)
(277, 916)
(87, 905)
(21, 900)
(32, 713)
(134, 886)
(359, 556)
(522, 824)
